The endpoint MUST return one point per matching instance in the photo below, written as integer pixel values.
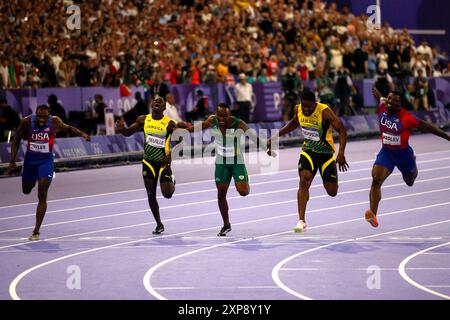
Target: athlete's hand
(342, 163)
(12, 166)
(86, 137)
(120, 125)
(376, 93)
(269, 149)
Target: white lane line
(215, 287)
(437, 286)
(15, 282)
(278, 266)
(215, 213)
(359, 269)
(404, 275)
(210, 180)
(151, 271)
(318, 185)
(230, 198)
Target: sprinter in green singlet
(227, 131)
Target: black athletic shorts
(324, 162)
(155, 170)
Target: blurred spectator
(384, 82)
(200, 109)
(244, 91)
(324, 86)
(292, 86)
(57, 110)
(342, 91)
(171, 109)
(357, 101)
(9, 120)
(421, 91)
(139, 109)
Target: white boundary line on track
(316, 185)
(214, 213)
(203, 181)
(238, 197)
(278, 266)
(15, 282)
(404, 275)
(151, 271)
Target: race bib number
(42, 147)
(225, 151)
(311, 134)
(156, 142)
(391, 140)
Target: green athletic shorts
(224, 172)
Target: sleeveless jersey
(318, 135)
(157, 139)
(41, 139)
(227, 146)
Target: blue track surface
(107, 235)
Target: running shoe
(301, 226)
(223, 232)
(371, 218)
(34, 236)
(159, 229)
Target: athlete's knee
(168, 192)
(377, 181)
(42, 195)
(243, 191)
(26, 190)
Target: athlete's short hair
(396, 93)
(308, 95)
(43, 107)
(223, 105)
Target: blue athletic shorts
(403, 159)
(36, 167)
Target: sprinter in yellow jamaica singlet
(157, 158)
(316, 121)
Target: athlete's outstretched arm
(252, 135)
(198, 126)
(428, 127)
(135, 127)
(19, 135)
(170, 129)
(59, 124)
(289, 127)
(333, 119)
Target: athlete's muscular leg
(306, 178)
(410, 178)
(27, 186)
(43, 186)
(150, 185)
(331, 188)
(243, 188)
(379, 175)
(222, 189)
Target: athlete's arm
(289, 127)
(429, 128)
(20, 134)
(59, 124)
(333, 119)
(201, 125)
(252, 135)
(135, 127)
(170, 129)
